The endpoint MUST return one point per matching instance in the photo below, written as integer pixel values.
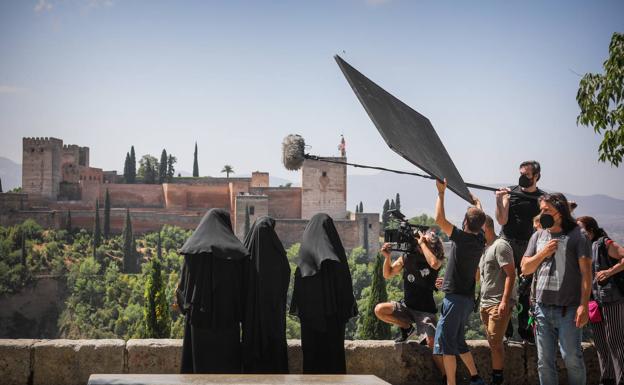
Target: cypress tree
(247, 220)
(150, 175)
(357, 208)
(127, 168)
(397, 202)
(132, 166)
(372, 327)
(162, 167)
(171, 160)
(361, 207)
(107, 208)
(1, 185)
(23, 248)
(97, 233)
(156, 309)
(392, 205)
(384, 214)
(68, 224)
(129, 262)
(195, 165)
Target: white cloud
(43, 5)
(11, 90)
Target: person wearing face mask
(559, 256)
(516, 206)
(459, 287)
(608, 291)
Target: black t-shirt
(463, 263)
(522, 210)
(418, 283)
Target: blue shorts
(450, 336)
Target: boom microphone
(293, 152)
(293, 155)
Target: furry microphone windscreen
(293, 151)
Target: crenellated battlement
(42, 141)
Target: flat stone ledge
(71, 362)
(15, 361)
(154, 356)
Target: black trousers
(323, 350)
(524, 330)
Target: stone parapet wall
(71, 362)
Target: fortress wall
(284, 202)
(71, 362)
(183, 197)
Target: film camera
(403, 238)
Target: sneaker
(405, 334)
(478, 381)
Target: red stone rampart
(284, 202)
(183, 197)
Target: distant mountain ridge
(10, 173)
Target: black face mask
(547, 221)
(525, 181)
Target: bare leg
(450, 366)
(384, 311)
(469, 362)
(437, 359)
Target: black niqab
(323, 297)
(211, 296)
(264, 323)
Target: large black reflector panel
(407, 132)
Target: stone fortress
(57, 179)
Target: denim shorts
(450, 338)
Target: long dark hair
(590, 224)
(560, 203)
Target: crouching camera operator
(420, 261)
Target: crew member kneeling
(420, 270)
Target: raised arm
(390, 269)
(432, 260)
(502, 206)
(440, 218)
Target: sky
(498, 81)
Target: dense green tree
(126, 173)
(162, 167)
(68, 222)
(148, 169)
(195, 164)
(601, 100)
(357, 208)
(107, 212)
(392, 205)
(156, 309)
(129, 250)
(171, 161)
(24, 255)
(384, 214)
(97, 232)
(132, 166)
(397, 202)
(361, 207)
(227, 169)
(372, 328)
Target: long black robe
(323, 297)
(264, 322)
(211, 296)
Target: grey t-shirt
(559, 277)
(497, 255)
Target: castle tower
(324, 188)
(41, 166)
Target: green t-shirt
(497, 255)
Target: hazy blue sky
(497, 79)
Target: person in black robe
(210, 294)
(264, 322)
(323, 297)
